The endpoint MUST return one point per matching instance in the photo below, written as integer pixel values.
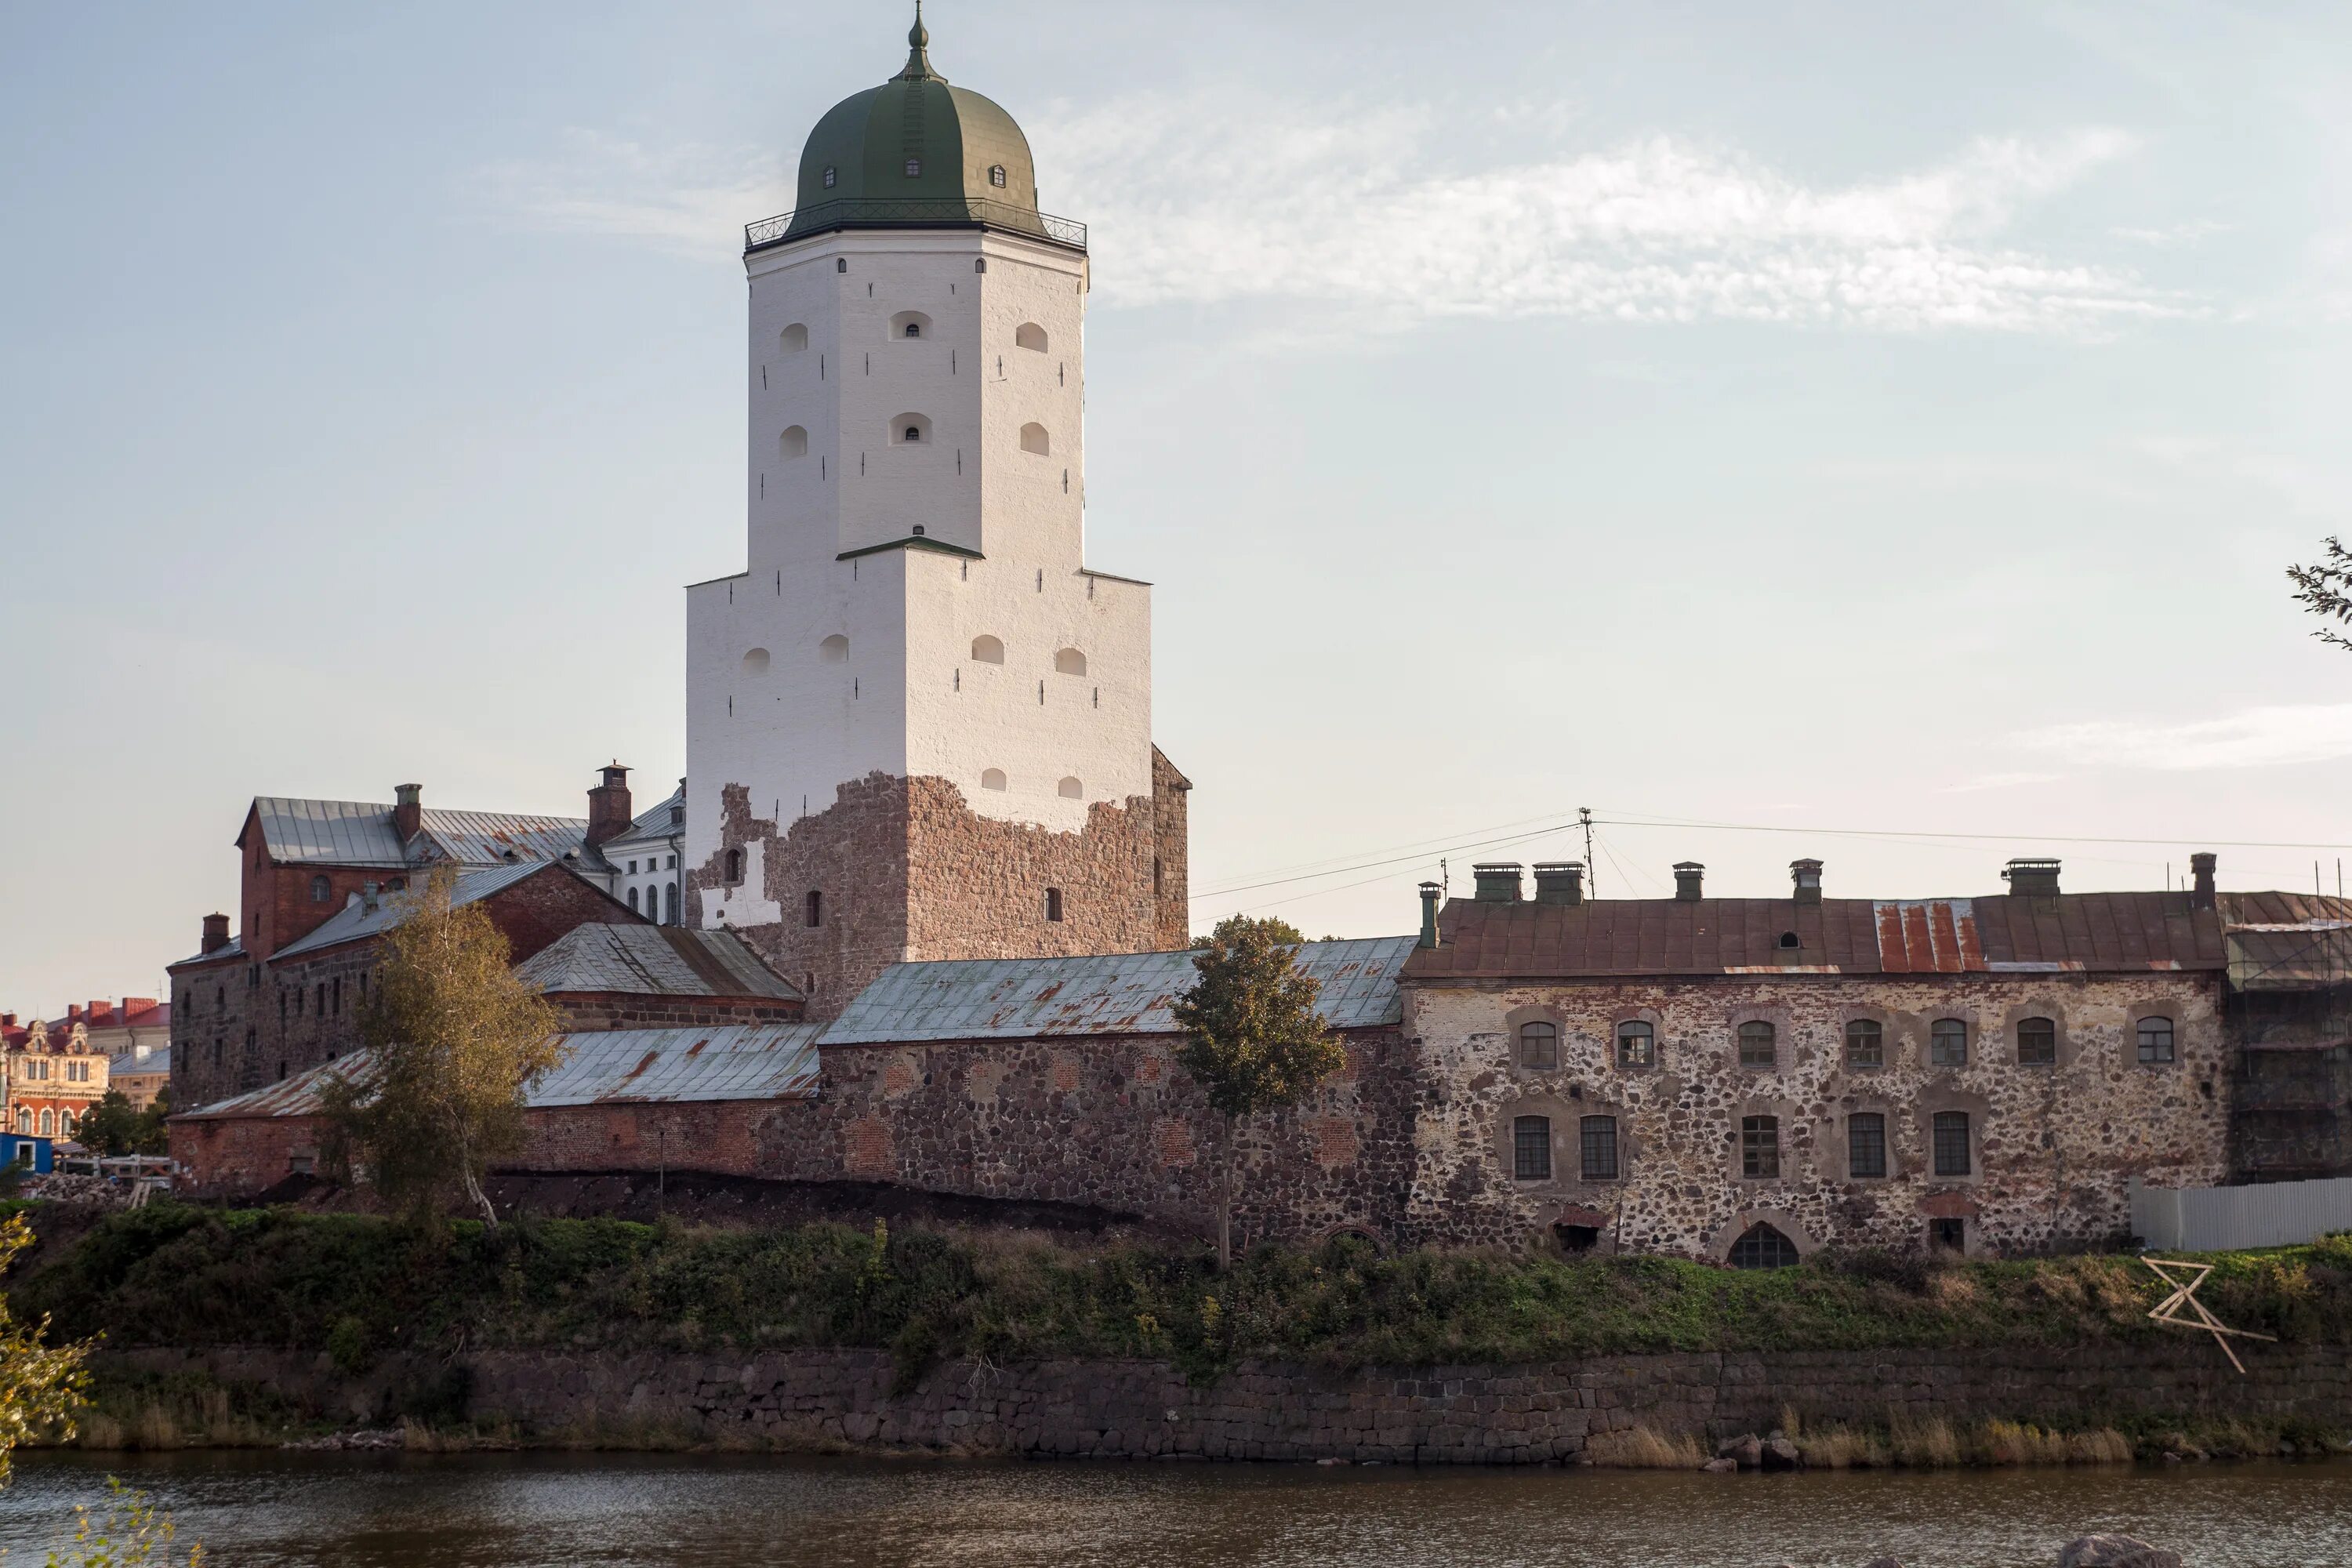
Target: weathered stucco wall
(2053, 1147)
(1437, 1414)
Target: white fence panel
(2219, 1219)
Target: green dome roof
(916, 153)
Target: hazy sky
(1836, 416)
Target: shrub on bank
(358, 1287)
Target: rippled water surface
(360, 1510)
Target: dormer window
(829, 176)
(996, 175)
(914, 168)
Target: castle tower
(918, 725)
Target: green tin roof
(953, 139)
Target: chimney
(1429, 891)
(215, 934)
(608, 805)
(138, 1004)
(1806, 875)
(73, 1011)
(2032, 879)
(102, 1008)
(407, 811)
(1559, 881)
(2200, 867)
(8, 1020)
(1498, 881)
(678, 808)
(1687, 874)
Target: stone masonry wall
(1110, 1122)
(2052, 1147)
(907, 870)
(1438, 1414)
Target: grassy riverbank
(359, 1287)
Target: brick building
(52, 1072)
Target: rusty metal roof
(2004, 934)
(356, 919)
(654, 961)
(360, 833)
(1108, 994)
(2288, 941)
(738, 1061)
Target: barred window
(1756, 1043)
(1598, 1136)
(1759, 1147)
(1761, 1246)
(1531, 1148)
(1948, 1043)
(2037, 1043)
(2155, 1040)
(1951, 1138)
(1865, 1044)
(1865, 1145)
(1636, 1043)
(1540, 1045)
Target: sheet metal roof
(2004, 934)
(355, 920)
(738, 1061)
(657, 960)
(236, 949)
(653, 822)
(360, 833)
(2288, 941)
(156, 1060)
(1108, 994)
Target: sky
(1872, 433)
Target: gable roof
(356, 919)
(656, 961)
(737, 1061)
(1106, 993)
(360, 833)
(2006, 934)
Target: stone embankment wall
(1134, 1409)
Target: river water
(264, 1510)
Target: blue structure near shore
(24, 1151)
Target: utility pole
(1592, 867)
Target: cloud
(2174, 235)
(2256, 738)
(1330, 212)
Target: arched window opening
(832, 176)
(1540, 1045)
(996, 175)
(2155, 1041)
(1756, 1043)
(911, 430)
(2037, 1042)
(1071, 788)
(1762, 1247)
(1597, 1139)
(1531, 1148)
(734, 867)
(986, 649)
(1053, 903)
(1865, 1145)
(281, 1072)
(812, 907)
(1031, 336)
(671, 900)
(633, 898)
(1035, 439)
(1069, 662)
(1637, 1043)
(1865, 1043)
(792, 443)
(48, 1123)
(908, 325)
(1759, 1147)
(1948, 1043)
(833, 649)
(321, 891)
(991, 778)
(755, 661)
(1950, 1134)
(1789, 939)
(794, 339)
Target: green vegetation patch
(359, 1288)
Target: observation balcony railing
(913, 212)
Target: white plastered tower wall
(908, 553)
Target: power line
(1396, 861)
(1981, 838)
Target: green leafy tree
(2325, 588)
(454, 1040)
(1253, 1041)
(40, 1384)
(113, 1128)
